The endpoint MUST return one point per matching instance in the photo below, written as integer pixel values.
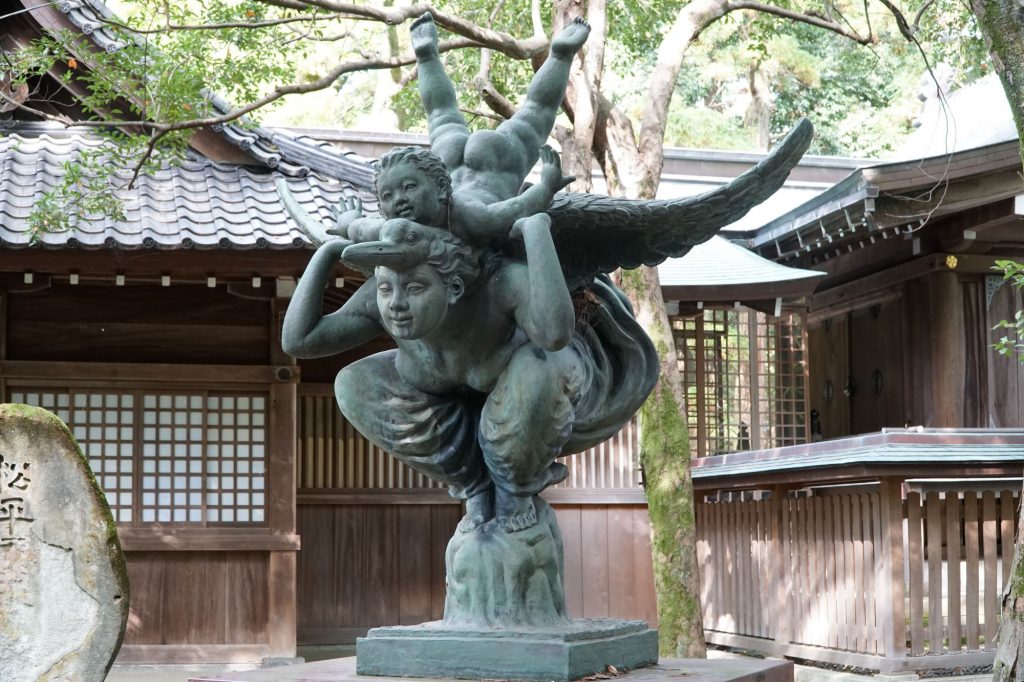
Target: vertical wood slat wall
(363, 565)
(332, 454)
(958, 549)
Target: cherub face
(412, 302)
(407, 192)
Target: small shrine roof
(719, 270)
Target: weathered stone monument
(513, 349)
(63, 581)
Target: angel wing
(595, 234)
(307, 224)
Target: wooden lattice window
(744, 374)
(193, 458)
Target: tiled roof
(719, 262)
(198, 203)
(295, 157)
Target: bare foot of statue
(514, 512)
(571, 39)
(424, 36)
(479, 510)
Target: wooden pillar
(281, 511)
(889, 581)
(701, 374)
(282, 605)
(948, 350)
(756, 359)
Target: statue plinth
(569, 652)
(505, 617)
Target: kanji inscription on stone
(63, 578)
(14, 511)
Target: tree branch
(150, 147)
(481, 114)
(920, 13)
(804, 18)
(500, 41)
(219, 26)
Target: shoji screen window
(195, 458)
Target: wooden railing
(888, 572)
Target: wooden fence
(863, 576)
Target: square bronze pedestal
(543, 654)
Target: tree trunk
(665, 461)
(758, 116)
(1003, 27)
(664, 450)
(632, 168)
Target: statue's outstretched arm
(476, 221)
(448, 129)
(308, 333)
(543, 306)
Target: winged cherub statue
(513, 348)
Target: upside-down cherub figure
(486, 167)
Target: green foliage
(1011, 344)
(704, 128)
(162, 77)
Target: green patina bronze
(513, 349)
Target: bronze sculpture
(513, 346)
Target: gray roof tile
(199, 203)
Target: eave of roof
(846, 212)
(892, 447)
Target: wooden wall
(140, 323)
(364, 565)
(197, 597)
(202, 589)
(917, 354)
(829, 558)
(608, 565)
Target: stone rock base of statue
(568, 652)
(63, 583)
(506, 580)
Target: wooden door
(876, 367)
(828, 356)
